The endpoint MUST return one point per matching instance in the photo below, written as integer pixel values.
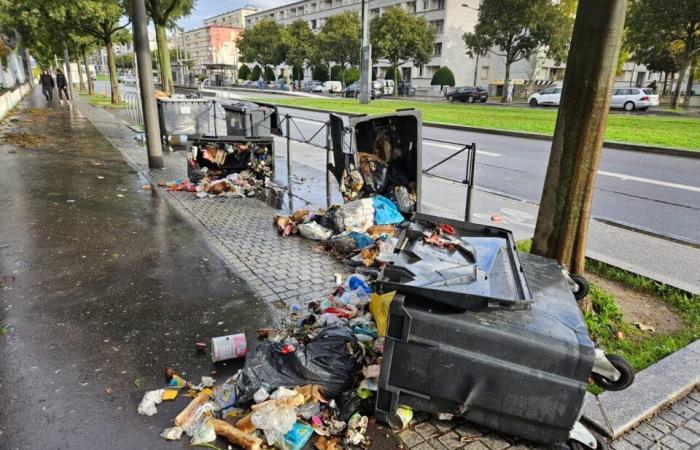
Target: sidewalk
(285, 269)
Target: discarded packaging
(228, 347)
(150, 400)
(172, 434)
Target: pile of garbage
(362, 230)
(316, 375)
(227, 170)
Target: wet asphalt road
(100, 285)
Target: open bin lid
(246, 107)
(482, 269)
(378, 155)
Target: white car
(549, 96)
(630, 99)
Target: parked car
(388, 87)
(630, 99)
(249, 84)
(332, 87)
(353, 90)
(469, 94)
(549, 96)
(312, 86)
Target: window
(374, 12)
(312, 24)
(438, 25)
(420, 71)
(634, 91)
(440, 4)
(437, 51)
(411, 7)
(547, 91)
(426, 5)
(484, 72)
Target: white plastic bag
(358, 215)
(149, 402)
(312, 230)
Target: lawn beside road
(659, 131)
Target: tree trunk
(663, 91)
(677, 91)
(166, 75)
(506, 80)
(80, 75)
(396, 79)
(112, 72)
(91, 87)
(689, 89)
(563, 218)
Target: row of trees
(665, 36)
(50, 26)
(397, 38)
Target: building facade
(236, 18)
(208, 47)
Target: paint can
(228, 347)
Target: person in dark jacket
(47, 85)
(61, 84)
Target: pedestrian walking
(47, 85)
(509, 92)
(61, 84)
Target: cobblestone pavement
(675, 428)
(288, 270)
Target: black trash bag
(333, 219)
(325, 361)
(349, 403)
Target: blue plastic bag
(385, 211)
(355, 282)
(362, 240)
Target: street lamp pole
(365, 56)
(148, 98)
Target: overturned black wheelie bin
(180, 118)
(475, 328)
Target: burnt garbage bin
(477, 329)
(182, 117)
(221, 156)
(251, 119)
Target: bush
(443, 77)
(320, 73)
(269, 74)
(390, 74)
(257, 72)
(244, 72)
(336, 72)
(351, 75)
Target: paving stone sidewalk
(285, 271)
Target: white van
(333, 87)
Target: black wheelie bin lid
(379, 155)
(184, 116)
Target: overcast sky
(208, 8)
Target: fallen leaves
(25, 140)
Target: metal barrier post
(470, 179)
(289, 154)
(329, 149)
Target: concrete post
(365, 57)
(145, 75)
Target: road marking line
(455, 147)
(624, 177)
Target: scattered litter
(150, 400)
(644, 327)
(25, 140)
(146, 187)
(169, 394)
(228, 347)
(172, 434)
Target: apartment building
(236, 18)
(209, 47)
(450, 18)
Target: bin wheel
(626, 374)
(576, 445)
(582, 286)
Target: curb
(668, 151)
(662, 383)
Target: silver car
(630, 99)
